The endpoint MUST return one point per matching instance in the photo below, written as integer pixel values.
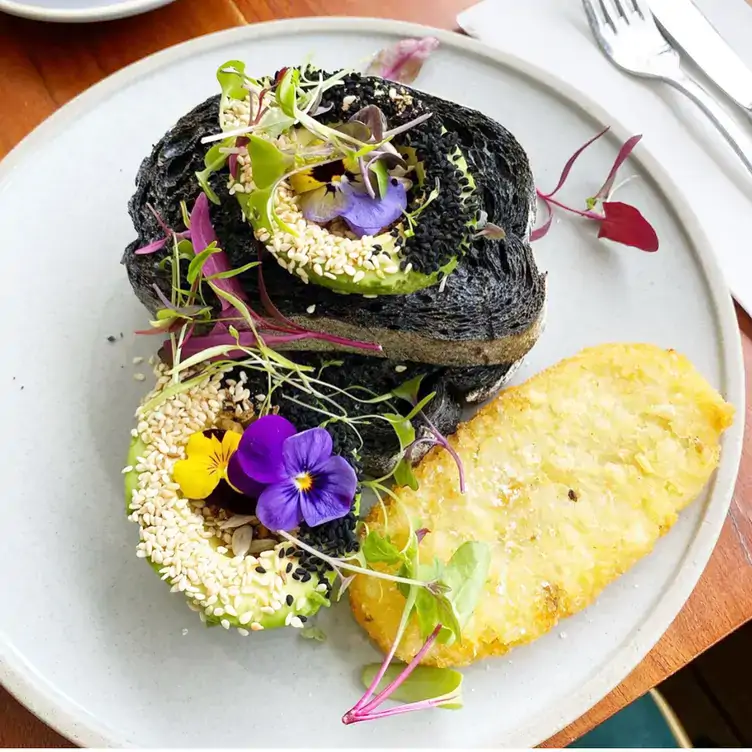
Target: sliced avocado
(397, 283)
(306, 600)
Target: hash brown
(571, 479)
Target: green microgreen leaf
(233, 272)
(268, 163)
(198, 261)
(419, 407)
(186, 215)
(378, 168)
(313, 633)
(213, 161)
(424, 683)
(466, 574)
(408, 390)
(404, 476)
(231, 77)
(287, 92)
(379, 549)
(402, 427)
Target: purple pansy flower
(364, 215)
(294, 475)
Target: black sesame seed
(302, 618)
(260, 570)
(289, 600)
(290, 551)
(288, 568)
(281, 553)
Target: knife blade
(688, 28)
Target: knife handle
(737, 138)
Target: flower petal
(196, 477)
(323, 205)
(338, 477)
(259, 454)
(241, 482)
(200, 445)
(278, 506)
(306, 451)
(230, 442)
(333, 492)
(367, 216)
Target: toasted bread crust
(571, 479)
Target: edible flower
(296, 473)
(208, 455)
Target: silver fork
(627, 34)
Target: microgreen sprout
(618, 221)
(441, 611)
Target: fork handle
(739, 141)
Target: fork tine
(607, 15)
(621, 10)
(638, 9)
(595, 23)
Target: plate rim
(81, 15)
(81, 727)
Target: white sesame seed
(127, 469)
(225, 623)
(358, 276)
(243, 632)
(311, 308)
(400, 368)
(139, 377)
(256, 627)
(138, 359)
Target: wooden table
(43, 66)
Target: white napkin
(554, 35)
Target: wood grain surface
(42, 66)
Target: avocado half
(281, 586)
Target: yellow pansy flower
(206, 463)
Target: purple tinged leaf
(542, 230)
(422, 533)
(570, 162)
(202, 235)
(621, 157)
(373, 118)
(491, 231)
(624, 224)
(402, 61)
(151, 247)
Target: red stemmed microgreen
(238, 325)
(440, 613)
(617, 221)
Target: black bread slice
(490, 310)
(380, 448)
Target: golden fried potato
(571, 478)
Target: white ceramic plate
(78, 11)
(90, 639)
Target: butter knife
(688, 28)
